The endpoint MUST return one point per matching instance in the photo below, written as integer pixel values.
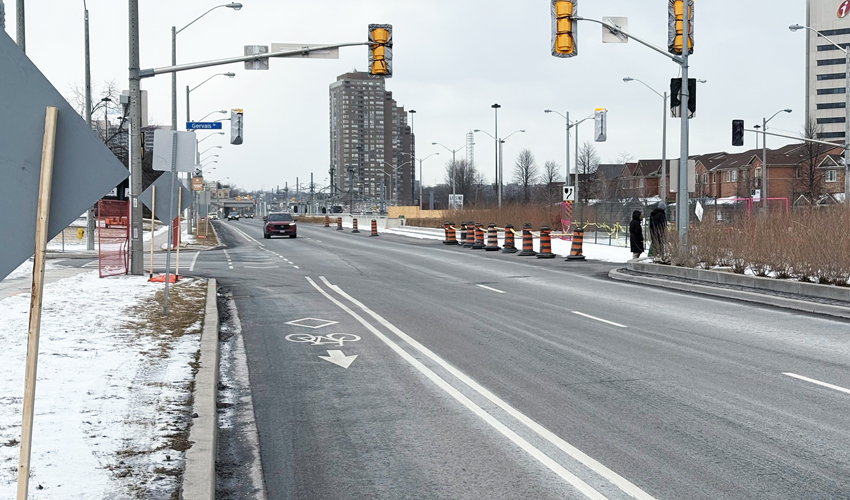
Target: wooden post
(179, 235)
(153, 224)
(42, 218)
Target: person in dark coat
(658, 230)
(636, 234)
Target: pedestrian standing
(658, 231)
(636, 234)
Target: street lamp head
(522, 130)
(702, 81)
(795, 27)
(412, 111)
(477, 130)
(787, 110)
(496, 106)
(433, 143)
(547, 110)
(628, 79)
(234, 6)
(230, 74)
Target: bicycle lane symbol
(337, 339)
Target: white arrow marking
(338, 358)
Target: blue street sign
(203, 125)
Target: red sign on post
(844, 9)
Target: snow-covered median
(114, 393)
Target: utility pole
(90, 212)
(682, 201)
(136, 250)
(21, 29)
(2, 16)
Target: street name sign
(203, 125)
(84, 169)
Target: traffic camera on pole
(676, 11)
(564, 28)
(381, 50)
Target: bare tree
(588, 161)
(550, 177)
(624, 157)
(467, 180)
(809, 182)
(525, 173)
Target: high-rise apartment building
(825, 65)
(372, 147)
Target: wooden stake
(42, 219)
(153, 225)
(179, 235)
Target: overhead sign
(83, 168)
(163, 198)
(569, 193)
(203, 125)
(317, 54)
(163, 142)
(609, 36)
(262, 62)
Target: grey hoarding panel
(163, 197)
(83, 168)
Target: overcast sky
(453, 60)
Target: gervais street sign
(163, 197)
(83, 168)
(203, 125)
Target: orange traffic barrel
(479, 237)
(545, 244)
(470, 235)
(575, 251)
(527, 242)
(451, 234)
(509, 246)
(355, 230)
(327, 221)
(492, 238)
(374, 228)
(339, 223)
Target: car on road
(212, 216)
(249, 216)
(233, 216)
(279, 223)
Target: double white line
(584, 488)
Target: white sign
(163, 140)
(609, 36)
(674, 175)
(756, 194)
(455, 201)
(569, 193)
(261, 63)
(316, 54)
(699, 211)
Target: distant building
(372, 147)
(825, 65)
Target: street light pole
(682, 210)
(136, 244)
(90, 212)
(498, 176)
(20, 33)
(663, 187)
(764, 156)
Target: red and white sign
(844, 9)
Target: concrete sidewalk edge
(758, 298)
(199, 476)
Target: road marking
(541, 431)
(262, 267)
(600, 319)
(314, 323)
(491, 289)
(194, 259)
(818, 382)
(337, 339)
(340, 359)
(296, 267)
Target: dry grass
(205, 235)
(811, 245)
(515, 214)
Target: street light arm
(231, 75)
(211, 147)
(512, 133)
(211, 113)
(207, 12)
(774, 116)
(556, 112)
(485, 132)
(799, 27)
(644, 84)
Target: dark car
(280, 223)
(233, 216)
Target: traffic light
(737, 132)
(381, 50)
(564, 28)
(236, 120)
(601, 125)
(675, 21)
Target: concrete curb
(72, 255)
(199, 476)
(758, 283)
(757, 298)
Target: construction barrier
(451, 238)
(509, 247)
(527, 242)
(327, 221)
(575, 251)
(462, 234)
(545, 244)
(374, 228)
(479, 237)
(470, 235)
(355, 230)
(492, 238)
(113, 237)
(339, 223)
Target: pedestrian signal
(564, 28)
(381, 50)
(737, 132)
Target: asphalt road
(484, 375)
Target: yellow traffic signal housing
(381, 50)
(564, 28)
(675, 21)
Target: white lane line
(296, 267)
(491, 289)
(600, 319)
(818, 382)
(589, 462)
(262, 267)
(554, 466)
(194, 259)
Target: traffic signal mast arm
(814, 141)
(147, 73)
(616, 30)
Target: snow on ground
(111, 399)
(25, 269)
(560, 247)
